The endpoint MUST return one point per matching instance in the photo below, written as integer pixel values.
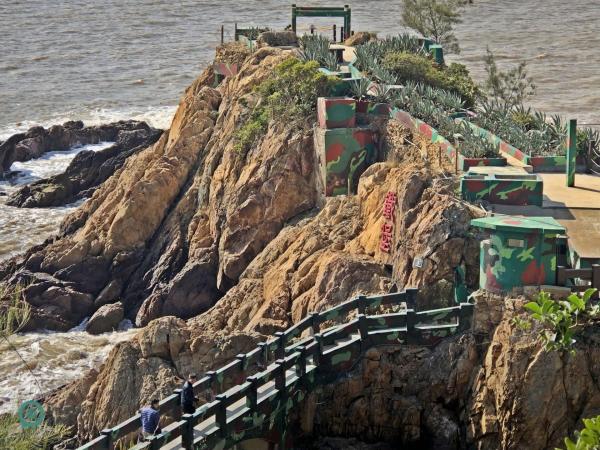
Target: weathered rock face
(175, 228)
(38, 140)
(86, 172)
(493, 388)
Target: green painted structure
(323, 11)
(538, 163)
(255, 392)
(502, 189)
(571, 153)
(521, 251)
(437, 52)
(336, 112)
(343, 155)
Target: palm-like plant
(360, 88)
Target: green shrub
(44, 437)
(289, 96)
(588, 438)
(559, 319)
(420, 69)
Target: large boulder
(277, 39)
(106, 318)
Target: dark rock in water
(107, 318)
(38, 140)
(87, 171)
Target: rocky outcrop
(492, 388)
(277, 39)
(38, 140)
(86, 172)
(107, 318)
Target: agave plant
(382, 93)
(314, 48)
(360, 88)
(331, 62)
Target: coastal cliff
(211, 249)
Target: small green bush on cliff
(289, 96)
(559, 318)
(418, 68)
(588, 438)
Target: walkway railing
(286, 368)
(568, 277)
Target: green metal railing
(254, 392)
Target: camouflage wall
(418, 126)
(336, 112)
(539, 163)
(519, 252)
(502, 189)
(343, 155)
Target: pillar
(294, 17)
(571, 152)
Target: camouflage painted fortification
(538, 163)
(502, 189)
(336, 112)
(418, 126)
(521, 251)
(272, 379)
(343, 155)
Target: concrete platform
(499, 170)
(576, 208)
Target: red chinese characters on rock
(385, 243)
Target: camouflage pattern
(538, 163)
(262, 413)
(418, 126)
(344, 154)
(437, 52)
(465, 163)
(226, 69)
(521, 251)
(336, 112)
(502, 189)
(378, 109)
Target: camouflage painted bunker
(520, 251)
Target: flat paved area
(585, 193)
(500, 170)
(576, 208)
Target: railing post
(241, 357)
(263, 353)
(177, 408)
(348, 21)
(411, 298)
(319, 356)
(280, 375)
(110, 445)
(465, 316)
(294, 17)
(187, 432)
(301, 367)
(334, 33)
(235, 35)
(411, 320)
(596, 280)
(252, 396)
(362, 304)
(342, 34)
(280, 353)
(221, 415)
(363, 328)
(222, 34)
(314, 323)
(213, 378)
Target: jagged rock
(277, 39)
(359, 38)
(87, 171)
(106, 318)
(38, 140)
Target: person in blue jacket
(150, 419)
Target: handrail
(566, 276)
(234, 382)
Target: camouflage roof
(519, 224)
